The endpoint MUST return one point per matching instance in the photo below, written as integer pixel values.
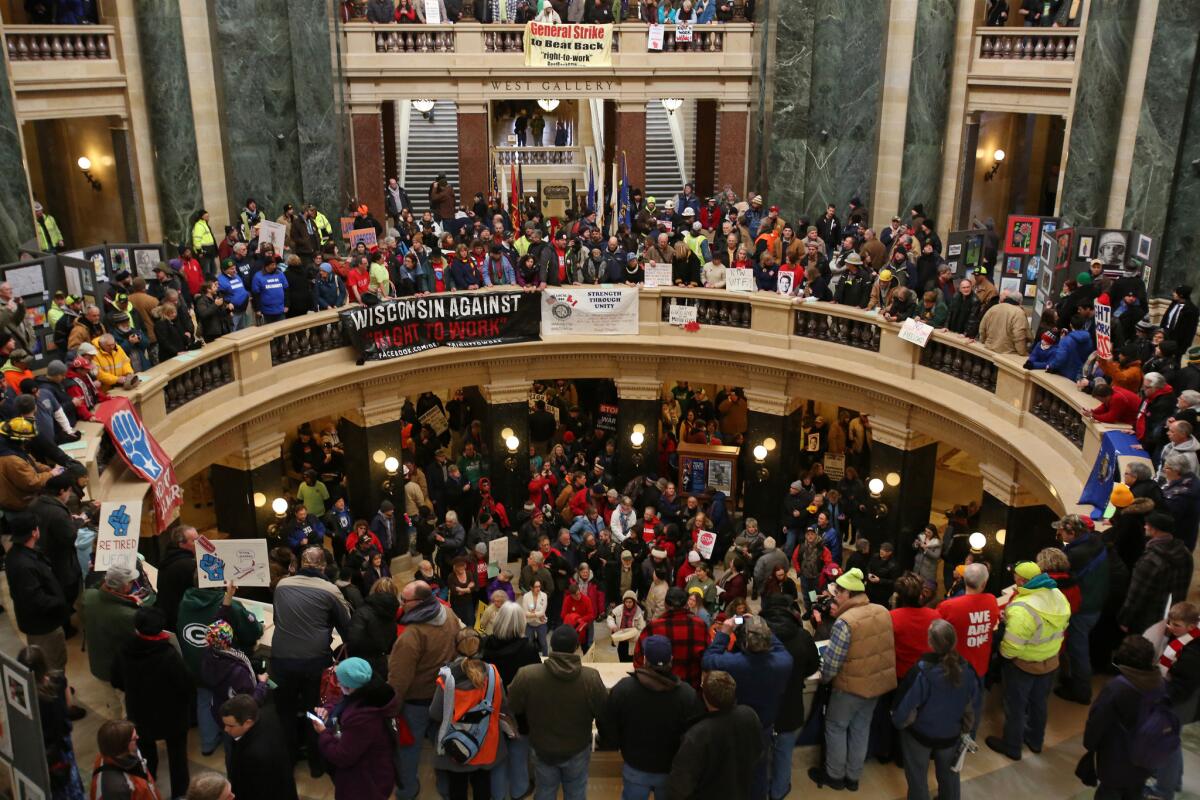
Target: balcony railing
(198, 381)
(1027, 44)
(722, 313)
(536, 156)
(59, 42)
(959, 363)
(858, 333)
(415, 39)
(358, 12)
(1059, 414)
(306, 342)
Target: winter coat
(963, 315)
(1112, 722)
(560, 698)
(717, 756)
(762, 678)
(358, 742)
(108, 625)
(437, 709)
(158, 689)
(934, 710)
(373, 631)
(37, 596)
(1070, 353)
(215, 320)
(1005, 330)
(226, 673)
(648, 713)
(259, 763)
(176, 574)
(58, 542)
(1089, 569)
(1164, 569)
(778, 612)
(1181, 499)
(125, 778)
(509, 655)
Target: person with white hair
(108, 613)
(209, 786)
(509, 649)
(975, 616)
(1180, 442)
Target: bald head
(975, 576)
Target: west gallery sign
(543, 86)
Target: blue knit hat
(353, 673)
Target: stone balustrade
(358, 12)
(198, 381)
(306, 342)
(1059, 414)
(817, 324)
(416, 39)
(59, 42)
(536, 156)
(1026, 44)
(722, 313)
(962, 364)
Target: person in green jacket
(204, 244)
(49, 237)
(934, 310)
(108, 612)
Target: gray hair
(1190, 396)
(1183, 426)
(1178, 463)
(975, 576)
(1154, 380)
(313, 557)
(207, 786)
(751, 522)
(451, 517)
(942, 638)
(179, 535)
(536, 558)
(509, 622)
(119, 576)
(1140, 470)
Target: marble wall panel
(16, 214)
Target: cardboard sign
(683, 32)
(117, 539)
(915, 331)
(739, 280)
(366, 236)
(681, 315)
(498, 551)
(435, 418)
(607, 420)
(347, 226)
(433, 12)
(705, 542)
(274, 233)
(654, 37)
(1103, 330)
(241, 562)
(657, 275)
(835, 465)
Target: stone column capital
(638, 388)
(506, 392)
(896, 432)
(257, 448)
(376, 411)
(1002, 480)
(767, 402)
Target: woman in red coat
(578, 612)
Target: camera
(823, 604)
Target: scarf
(627, 616)
(1174, 648)
(161, 636)
(430, 611)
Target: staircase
(432, 149)
(662, 170)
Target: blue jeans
(847, 729)
(408, 758)
(638, 785)
(781, 763)
(1025, 699)
(571, 774)
(1078, 653)
(1168, 779)
(537, 635)
(916, 769)
(511, 778)
(210, 731)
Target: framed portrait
(17, 692)
(1112, 248)
(974, 247)
(1063, 239)
(145, 260)
(1012, 265)
(1031, 290)
(1085, 247)
(1010, 285)
(1021, 237)
(87, 280)
(1143, 247)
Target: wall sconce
(672, 104)
(425, 107)
(85, 165)
(280, 506)
(875, 487)
(637, 438)
(379, 456)
(977, 541)
(511, 444)
(892, 479)
(1001, 535)
(392, 465)
(260, 499)
(997, 160)
(760, 458)
(548, 105)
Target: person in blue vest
(269, 287)
(233, 290)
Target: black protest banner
(401, 327)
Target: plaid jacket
(689, 638)
(1165, 568)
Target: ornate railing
(58, 42)
(837, 330)
(962, 364)
(413, 39)
(1027, 44)
(358, 12)
(535, 156)
(722, 313)
(198, 381)
(307, 342)
(1058, 414)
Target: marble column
(1096, 120)
(1163, 125)
(631, 140)
(781, 93)
(473, 153)
(928, 104)
(845, 102)
(373, 427)
(318, 124)
(169, 111)
(508, 409)
(16, 210)
(638, 403)
(127, 188)
(906, 462)
(731, 156)
(367, 129)
(242, 480)
(966, 173)
(1016, 525)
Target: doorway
(1018, 160)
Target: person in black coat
(158, 694)
(213, 313)
(176, 573)
(167, 332)
(373, 630)
(37, 598)
(1180, 319)
(717, 755)
(258, 764)
(58, 530)
(779, 610)
(881, 575)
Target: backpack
(470, 729)
(1156, 735)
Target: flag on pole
(514, 203)
(521, 187)
(626, 210)
(613, 202)
(591, 189)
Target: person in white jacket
(624, 520)
(626, 616)
(534, 602)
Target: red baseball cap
(774, 210)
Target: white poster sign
(657, 275)
(117, 540)
(683, 32)
(435, 418)
(273, 232)
(611, 310)
(241, 562)
(25, 280)
(835, 466)
(498, 551)
(433, 12)
(739, 280)
(915, 331)
(785, 283)
(682, 315)
(654, 37)
(705, 543)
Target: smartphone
(315, 718)
(738, 620)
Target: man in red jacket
(1118, 405)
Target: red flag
(143, 455)
(515, 202)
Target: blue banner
(1117, 449)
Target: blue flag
(1117, 450)
(591, 191)
(625, 213)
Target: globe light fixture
(977, 541)
(893, 479)
(637, 438)
(423, 105)
(548, 105)
(280, 506)
(875, 487)
(392, 465)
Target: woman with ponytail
(936, 705)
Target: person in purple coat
(356, 735)
(227, 671)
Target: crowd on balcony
(552, 11)
(62, 12)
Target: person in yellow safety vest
(49, 237)
(203, 240)
(324, 229)
(1035, 623)
(695, 239)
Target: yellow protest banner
(568, 45)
